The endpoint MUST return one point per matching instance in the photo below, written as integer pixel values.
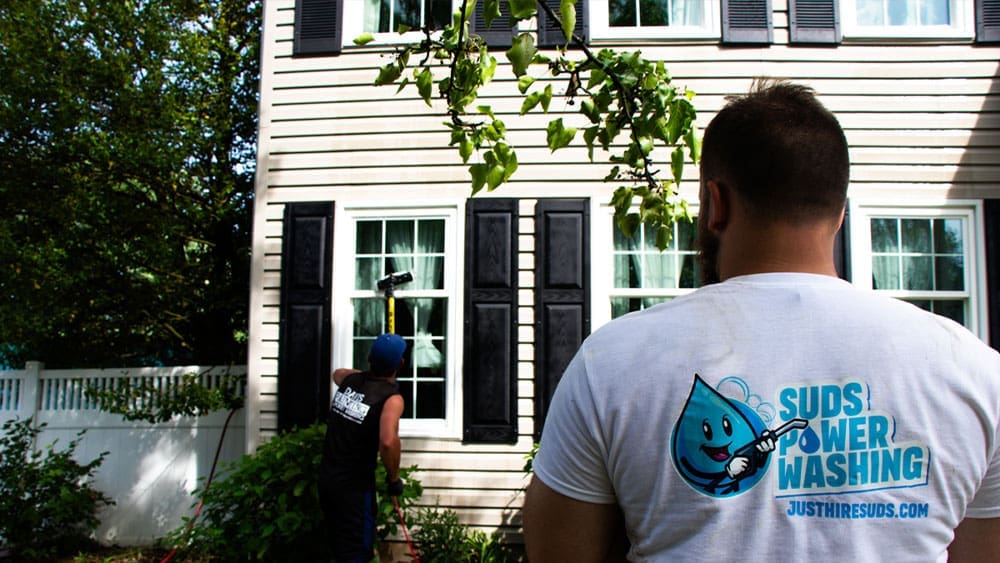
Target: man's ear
(718, 206)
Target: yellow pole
(392, 314)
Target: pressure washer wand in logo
(793, 424)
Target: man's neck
(777, 248)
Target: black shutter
(814, 21)
(747, 21)
(991, 211)
(304, 332)
(318, 27)
(842, 249)
(562, 292)
(550, 33)
(499, 33)
(490, 334)
(988, 21)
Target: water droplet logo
(809, 441)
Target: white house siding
(922, 119)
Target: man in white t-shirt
(781, 414)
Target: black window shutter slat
(747, 21)
(304, 330)
(814, 21)
(550, 33)
(988, 21)
(562, 292)
(318, 27)
(991, 212)
(499, 33)
(842, 249)
(490, 334)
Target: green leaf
(403, 28)
(491, 11)
(364, 39)
(522, 52)
(478, 173)
(677, 164)
(589, 134)
(524, 82)
(388, 74)
(589, 109)
(567, 12)
(646, 145)
(425, 81)
(693, 142)
(530, 101)
(486, 110)
(546, 98)
(558, 135)
(663, 236)
(523, 9)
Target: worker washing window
(394, 244)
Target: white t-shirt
(884, 422)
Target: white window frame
(345, 229)
(602, 272)
(961, 27)
(861, 213)
(601, 29)
(354, 17)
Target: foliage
(441, 538)
(47, 505)
(618, 92)
(529, 458)
(266, 505)
(146, 402)
(386, 519)
(127, 152)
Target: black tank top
(350, 450)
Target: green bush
(441, 538)
(47, 505)
(265, 506)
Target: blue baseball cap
(386, 353)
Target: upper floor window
(927, 257)
(385, 16)
(907, 18)
(654, 19)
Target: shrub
(47, 505)
(441, 538)
(265, 506)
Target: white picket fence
(151, 469)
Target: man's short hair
(780, 151)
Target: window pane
(624, 305)
(901, 12)
(885, 236)
(407, 13)
(399, 237)
(369, 237)
(648, 302)
(626, 270)
(954, 310)
(687, 12)
(689, 272)
(430, 399)
(659, 271)
(367, 272)
(870, 13)
(948, 236)
(431, 236)
(935, 12)
(916, 235)
(653, 13)
(686, 231)
(885, 272)
(439, 12)
(621, 13)
(949, 273)
(917, 273)
(369, 318)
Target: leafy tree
(618, 93)
(127, 140)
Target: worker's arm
(340, 374)
(558, 528)
(389, 446)
(976, 540)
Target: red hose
(406, 533)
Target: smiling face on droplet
(709, 431)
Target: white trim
(862, 210)
(600, 28)
(344, 292)
(961, 26)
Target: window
(908, 18)
(383, 18)
(927, 257)
(651, 19)
(418, 243)
(638, 275)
